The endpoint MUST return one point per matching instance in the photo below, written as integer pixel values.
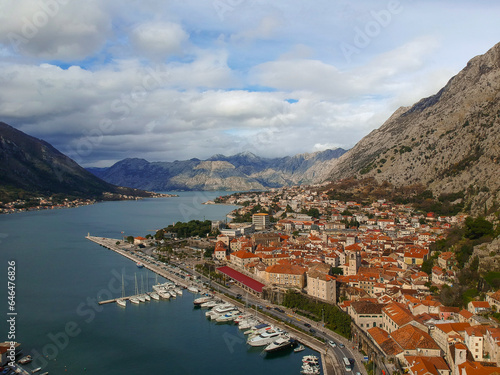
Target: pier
(110, 243)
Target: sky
(169, 80)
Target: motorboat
(281, 343)
(202, 300)
(310, 370)
(299, 348)
(163, 294)
(248, 323)
(265, 338)
(242, 317)
(25, 360)
(227, 317)
(209, 304)
(192, 289)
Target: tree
(313, 212)
(130, 239)
(336, 271)
(477, 228)
(427, 266)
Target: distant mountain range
(33, 166)
(449, 142)
(243, 171)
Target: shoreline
(78, 203)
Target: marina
(167, 333)
(221, 313)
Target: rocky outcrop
(449, 142)
(489, 256)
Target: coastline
(12, 209)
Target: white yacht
(141, 298)
(201, 300)
(163, 294)
(248, 323)
(265, 338)
(209, 304)
(172, 293)
(178, 291)
(192, 289)
(257, 330)
(221, 310)
(283, 342)
(227, 317)
(242, 317)
(121, 302)
(147, 297)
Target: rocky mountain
(244, 171)
(449, 142)
(31, 165)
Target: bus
(347, 364)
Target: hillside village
(367, 259)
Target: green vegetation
(247, 217)
(477, 228)
(334, 318)
(471, 283)
(190, 229)
(493, 279)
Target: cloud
(53, 30)
(159, 40)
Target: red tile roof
(244, 279)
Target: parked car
(307, 324)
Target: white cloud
(54, 30)
(159, 40)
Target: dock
(111, 244)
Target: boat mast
(123, 287)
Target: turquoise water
(60, 275)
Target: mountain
(243, 171)
(449, 142)
(28, 164)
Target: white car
(332, 343)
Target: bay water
(60, 276)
